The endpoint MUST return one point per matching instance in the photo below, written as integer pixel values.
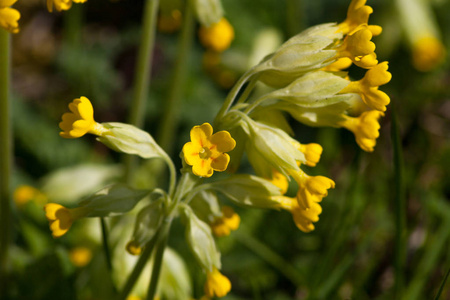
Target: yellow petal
(202, 168)
(223, 140)
(201, 134)
(220, 163)
(190, 152)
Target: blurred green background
(91, 49)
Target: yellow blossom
(25, 193)
(61, 4)
(216, 284)
(80, 120)
(218, 36)
(133, 248)
(312, 189)
(280, 181)
(358, 14)
(61, 218)
(80, 256)
(312, 153)
(9, 17)
(134, 297)
(368, 87)
(206, 151)
(359, 48)
(428, 52)
(303, 218)
(340, 64)
(365, 128)
(229, 221)
(169, 22)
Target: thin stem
(441, 288)
(142, 261)
(142, 74)
(158, 259)
(173, 175)
(252, 106)
(170, 118)
(5, 158)
(248, 89)
(400, 209)
(106, 244)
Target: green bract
(148, 222)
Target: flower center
(204, 153)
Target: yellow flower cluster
(9, 17)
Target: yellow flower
(365, 128)
(339, 65)
(358, 14)
(312, 153)
(169, 22)
(206, 151)
(9, 17)
(80, 256)
(303, 218)
(359, 48)
(280, 181)
(61, 4)
(61, 218)
(312, 189)
(428, 52)
(368, 87)
(133, 248)
(218, 36)
(25, 193)
(80, 120)
(229, 221)
(216, 284)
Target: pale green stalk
(142, 73)
(5, 158)
(170, 117)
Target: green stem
(143, 259)
(248, 89)
(158, 259)
(170, 118)
(142, 74)
(441, 288)
(252, 106)
(73, 21)
(5, 158)
(400, 209)
(105, 244)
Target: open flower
(9, 17)
(218, 36)
(61, 4)
(61, 218)
(229, 221)
(206, 151)
(365, 128)
(80, 120)
(216, 284)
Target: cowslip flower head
(9, 17)
(368, 86)
(216, 285)
(303, 218)
(61, 218)
(312, 153)
(365, 128)
(229, 221)
(428, 52)
(80, 120)
(312, 189)
(206, 151)
(61, 5)
(218, 36)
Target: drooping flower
(206, 151)
(80, 120)
(61, 218)
(217, 37)
(303, 218)
(365, 128)
(216, 285)
(9, 17)
(368, 86)
(359, 48)
(312, 153)
(61, 5)
(312, 189)
(229, 221)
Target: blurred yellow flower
(169, 22)
(80, 120)
(206, 151)
(365, 128)
(368, 87)
(80, 256)
(216, 284)
(428, 52)
(217, 37)
(229, 221)
(61, 218)
(133, 248)
(25, 193)
(9, 17)
(61, 4)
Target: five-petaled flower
(80, 120)
(206, 151)
(216, 284)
